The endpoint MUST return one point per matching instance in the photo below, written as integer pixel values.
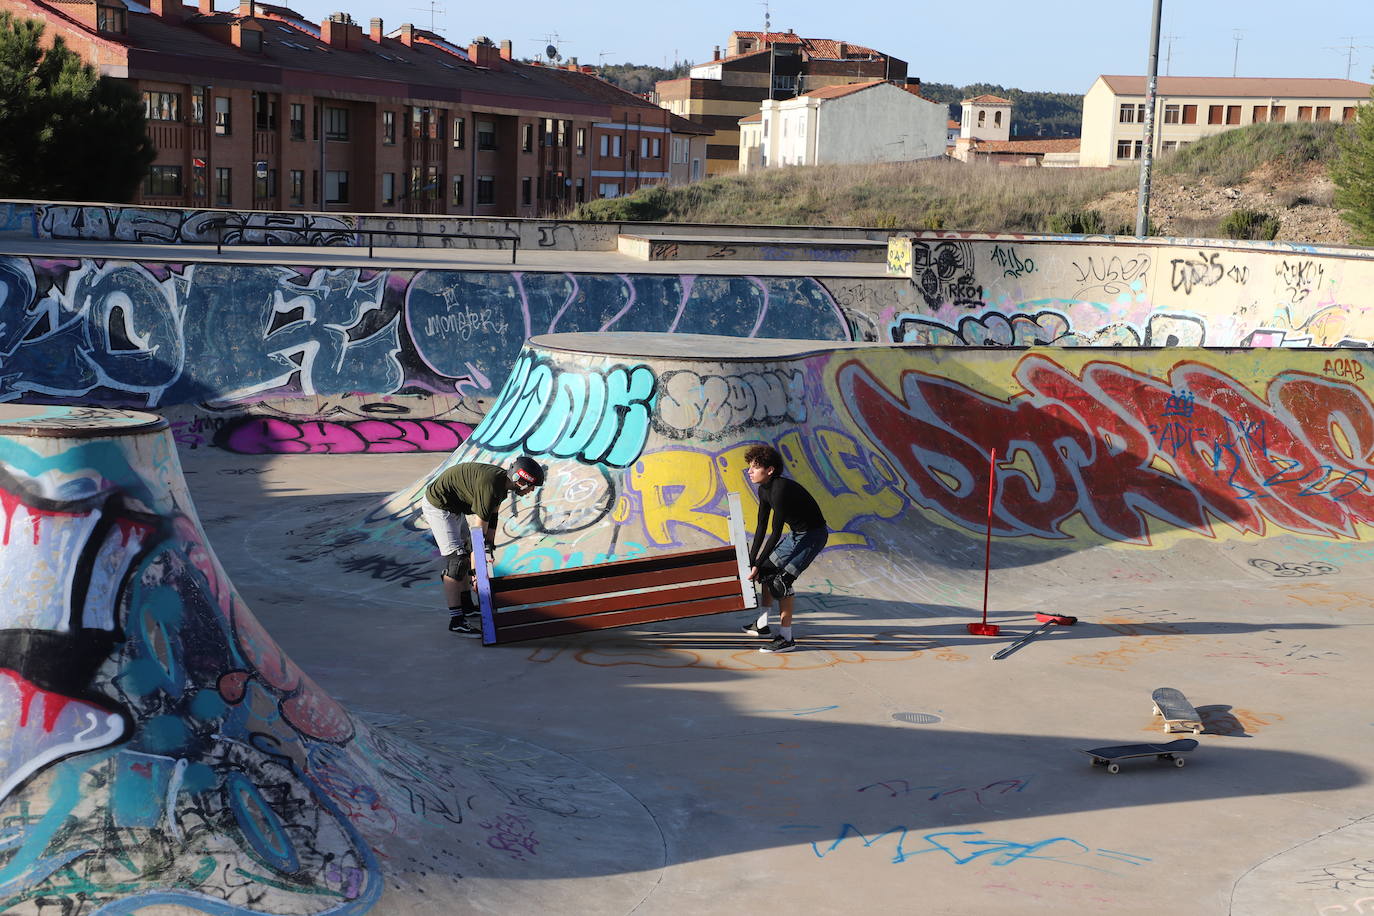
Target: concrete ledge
(740, 248)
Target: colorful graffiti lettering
(275, 435)
(963, 847)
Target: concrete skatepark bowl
(1205, 513)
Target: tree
(1353, 173)
(66, 133)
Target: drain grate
(916, 718)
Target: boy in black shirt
(467, 489)
(775, 563)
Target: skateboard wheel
(1113, 768)
(1157, 712)
(1179, 761)
(1197, 731)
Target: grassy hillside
(946, 194)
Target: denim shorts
(797, 549)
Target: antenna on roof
(767, 18)
(433, 8)
(1349, 50)
(1169, 52)
(1237, 37)
(551, 43)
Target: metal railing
(222, 226)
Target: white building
(877, 121)
(1190, 107)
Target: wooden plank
(561, 591)
(564, 627)
(657, 561)
(737, 535)
(600, 605)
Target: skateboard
(1178, 713)
(1108, 756)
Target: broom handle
(987, 555)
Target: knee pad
(459, 565)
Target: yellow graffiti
(899, 256)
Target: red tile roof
(823, 48)
(598, 88)
(835, 92)
(1241, 86)
(756, 116)
(1029, 147)
(986, 100)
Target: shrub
(1255, 225)
(1076, 222)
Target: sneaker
(753, 629)
(779, 644)
(780, 587)
(462, 627)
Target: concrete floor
(891, 764)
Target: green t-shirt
(470, 489)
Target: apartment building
(258, 108)
(875, 121)
(1188, 108)
(765, 65)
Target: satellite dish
(552, 52)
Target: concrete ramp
(161, 754)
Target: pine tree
(66, 133)
(1353, 173)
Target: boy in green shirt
(472, 488)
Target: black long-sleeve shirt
(789, 503)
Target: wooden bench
(621, 593)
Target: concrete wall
(881, 124)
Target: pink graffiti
(1117, 447)
(272, 435)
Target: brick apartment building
(765, 65)
(257, 108)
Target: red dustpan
(985, 628)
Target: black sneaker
(753, 629)
(460, 625)
(779, 644)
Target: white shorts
(450, 529)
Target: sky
(1052, 45)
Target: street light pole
(1142, 213)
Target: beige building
(1190, 107)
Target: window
(615, 145)
(1279, 113)
(1259, 114)
(982, 118)
(161, 106)
(198, 183)
(1128, 149)
(657, 147)
(784, 83)
(389, 128)
(297, 121)
(643, 147)
(223, 123)
(265, 187)
(526, 138)
(335, 187)
(526, 188)
(223, 186)
(437, 120)
(315, 186)
(163, 181)
(997, 118)
(434, 183)
(605, 145)
(580, 186)
(1232, 114)
(460, 132)
(335, 123)
(1348, 114)
(486, 138)
(264, 111)
(1168, 146)
(457, 197)
(414, 188)
(250, 40)
(298, 186)
(1214, 114)
(696, 169)
(1189, 114)
(1323, 113)
(582, 140)
(1304, 112)
(562, 136)
(388, 188)
(1171, 114)
(680, 149)
(486, 190)
(197, 104)
(110, 19)
(608, 190)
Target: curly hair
(764, 455)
